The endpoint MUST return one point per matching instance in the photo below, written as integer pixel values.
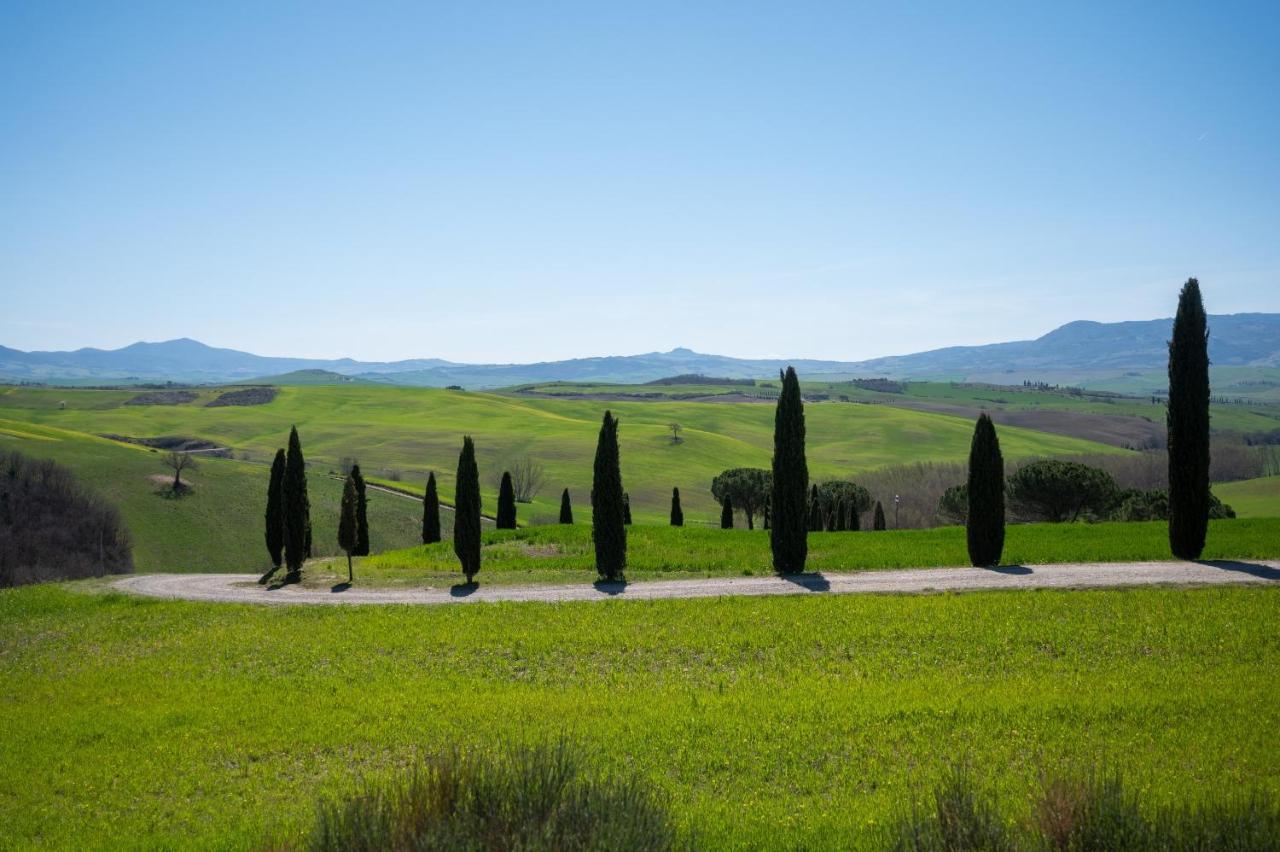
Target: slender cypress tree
(788, 533)
(626, 509)
(466, 511)
(766, 515)
(431, 512)
(726, 514)
(506, 503)
(362, 513)
(566, 508)
(297, 509)
(985, 524)
(349, 521)
(677, 514)
(608, 521)
(838, 516)
(877, 522)
(1188, 425)
(815, 510)
(275, 514)
(855, 522)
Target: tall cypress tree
(855, 522)
(877, 522)
(466, 511)
(788, 533)
(506, 503)
(362, 513)
(297, 509)
(608, 524)
(431, 512)
(626, 508)
(1188, 424)
(839, 514)
(275, 513)
(677, 514)
(984, 527)
(815, 510)
(726, 514)
(566, 508)
(349, 520)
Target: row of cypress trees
(288, 515)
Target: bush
(53, 528)
(529, 798)
(1058, 491)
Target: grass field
(786, 722)
(1252, 498)
(560, 554)
(413, 430)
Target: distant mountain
(1075, 349)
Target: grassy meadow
(1252, 498)
(406, 432)
(783, 722)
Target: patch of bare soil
(180, 397)
(174, 443)
(244, 396)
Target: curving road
(243, 588)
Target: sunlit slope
(408, 431)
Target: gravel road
(243, 588)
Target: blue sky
(529, 181)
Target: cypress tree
(349, 520)
(297, 509)
(877, 522)
(1188, 425)
(431, 512)
(275, 514)
(566, 508)
(466, 511)
(838, 516)
(788, 535)
(362, 513)
(855, 523)
(765, 515)
(608, 521)
(677, 514)
(506, 503)
(626, 508)
(985, 525)
(815, 510)
(726, 514)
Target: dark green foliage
(985, 522)
(608, 511)
(765, 514)
(677, 514)
(535, 799)
(506, 503)
(953, 506)
(566, 508)
(431, 512)
(788, 537)
(726, 514)
(1058, 491)
(626, 508)
(275, 511)
(877, 522)
(1188, 425)
(853, 497)
(349, 520)
(466, 511)
(815, 510)
(747, 488)
(839, 516)
(297, 509)
(855, 520)
(362, 513)
(1136, 504)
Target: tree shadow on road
(1012, 570)
(809, 582)
(610, 587)
(1262, 572)
(462, 590)
(340, 587)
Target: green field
(783, 722)
(406, 432)
(1252, 498)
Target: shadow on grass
(462, 590)
(610, 587)
(340, 587)
(1262, 572)
(808, 582)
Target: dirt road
(243, 588)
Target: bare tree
(675, 428)
(526, 478)
(179, 462)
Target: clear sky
(530, 181)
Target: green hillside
(402, 433)
(1252, 498)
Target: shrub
(1058, 491)
(953, 505)
(527, 798)
(53, 528)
